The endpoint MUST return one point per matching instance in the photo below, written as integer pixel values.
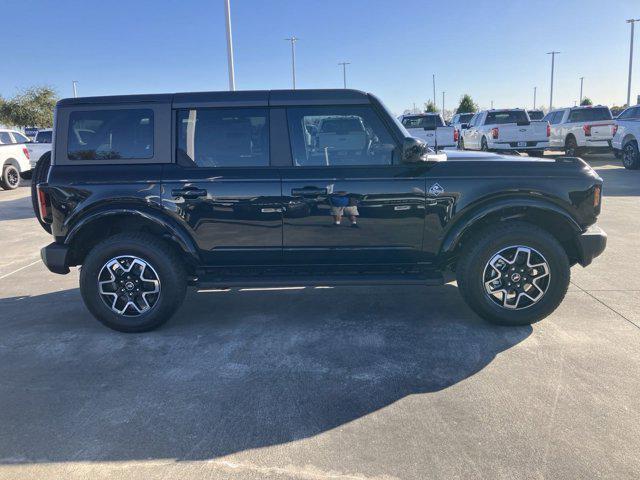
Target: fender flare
(177, 233)
(470, 219)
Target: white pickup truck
(430, 128)
(40, 145)
(506, 130)
(627, 137)
(578, 130)
(14, 158)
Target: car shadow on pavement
(231, 371)
(618, 182)
(16, 209)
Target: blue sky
(493, 50)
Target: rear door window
(19, 138)
(589, 115)
(117, 134)
(224, 137)
(428, 122)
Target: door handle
(189, 192)
(302, 192)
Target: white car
(506, 130)
(578, 130)
(460, 121)
(14, 158)
(430, 128)
(626, 137)
(41, 145)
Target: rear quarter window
(117, 134)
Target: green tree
(586, 101)
(430, 107)
(32, 107)
(467, 105)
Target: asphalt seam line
(21, 268)
(602, 303)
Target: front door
(222, 186)
(346, 198)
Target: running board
(256, 281)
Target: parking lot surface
(323, 383)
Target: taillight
(548, 130)
(596, 196)
(614, 129)
(587, 130)
(26, 152)
(43, 207)
(456, 135)
(495, 132)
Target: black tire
(485, 245)
(461, 143)
(483, 145)
(631, 155)
(536, 153)
(571, 147)
(165, 264)
(10, 177)
(39, 175)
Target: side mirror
(414, 150)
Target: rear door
(349, 202)
(222, 185)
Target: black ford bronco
(152, 193)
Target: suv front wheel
(132, 282)
(513, 274)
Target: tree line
(32, 107)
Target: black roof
(237, 99)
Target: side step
(297, 280)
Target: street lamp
(553, 61)
(534, 97)
(75, 88)
(232, 78)
(632, 21)
(293, 41)
(344, 72)
(581, 82)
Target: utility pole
(232, 78)
(534, 97)
(434, 90)
(75, 88)
(581, 82)
(344, 72)
(553, 62)
(632, 21)
(442, 104)
(491, 104)
(293, 41)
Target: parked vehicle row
(14, 158)
(295, 187)
(579, 130)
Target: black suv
(151, 193)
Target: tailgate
(535, 131)
(427, 136)
(601, 131)
(444, 136)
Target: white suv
(579, 130)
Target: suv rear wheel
(513, 274)
(132, 282)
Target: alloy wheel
(128, 285)
(516, 277)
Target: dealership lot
(353, 383)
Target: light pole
(553, 62)
(442, 104)
(581, 82)
(75, 88)
(232, 77)
(293, 41)
(344, 72)
(632, 21)
(434, 90)
(534, 97)
(491, 104)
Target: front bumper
(591, 244)
(55, 256)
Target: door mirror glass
(414, 150)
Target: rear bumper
(55, 257)
(530, 145)
(596, 145)
(591, 244)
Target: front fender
(470, 219)
(176, 232)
